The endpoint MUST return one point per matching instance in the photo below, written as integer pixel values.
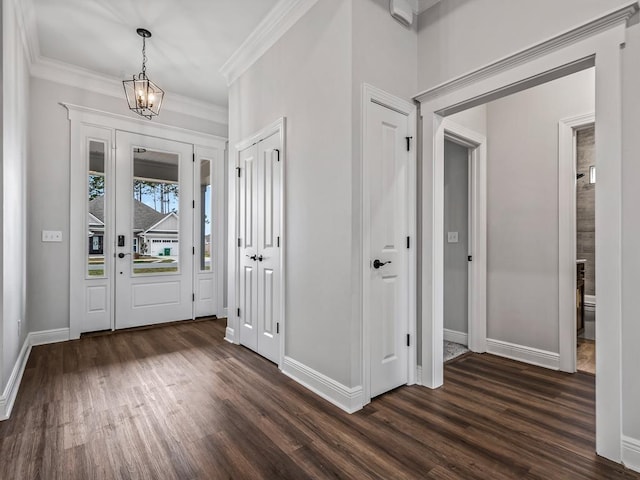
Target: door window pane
(156, 201)
(96, 211)
(206, 221)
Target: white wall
(458, 36)
(384, 55)
(456, 219)
(15, 89)
(48, 187)
(313, 76)
(522, 208)
(306, 77)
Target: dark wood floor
(178, 402)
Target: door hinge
(238, 311)
(193, 204)
(238, 170)
(239, 243)
(193, 297)
(194, 251)
(408, 143)
(278, 152)
(194, 157)
(408, 340)
(470, 258)
(408, 242)
(278, 242)
(278, 327)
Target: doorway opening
(465, 257)
(585, 248)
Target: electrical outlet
(51, 236)
(452, 237)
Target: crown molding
(279, 20)
(419, 6)
(600, 24)
(78, 77)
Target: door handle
(260, 258)
(122, 255)
(252, 257)
(377, 263)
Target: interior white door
(269, 178)
(248, 244)
(154, 230)
(260, 177)
(387, 166)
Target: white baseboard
(13, 385)
(456, 337)
(419, 375)
(533, 356)
(631, 453)
(11, 390)
(46, 337)
(348, 399)
(229, 335)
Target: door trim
(598, 44)
(373, 95)
(82, 118)
(477, 145)
(567, 232)
(232, 334)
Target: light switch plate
(452, 237)
(51, 236)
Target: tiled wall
(586, 197)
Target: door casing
(373, 95)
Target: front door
(387, 164)
(154, 251)
(259, 241)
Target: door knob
(252, 257)
(377, 263)
(260, 258)
(122, 255)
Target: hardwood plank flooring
(177, 402)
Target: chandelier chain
(144, 57)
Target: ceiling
(191, 39)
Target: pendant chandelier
(144, 96)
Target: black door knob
(377, 263)
(260, 258)
(252, 257)
(121, 255)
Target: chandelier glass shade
(143, 96)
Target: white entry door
(153, 230)
(387, 167)
(259, 240)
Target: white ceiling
(191, 39)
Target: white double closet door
(259, 188)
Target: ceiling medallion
(144, 96)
